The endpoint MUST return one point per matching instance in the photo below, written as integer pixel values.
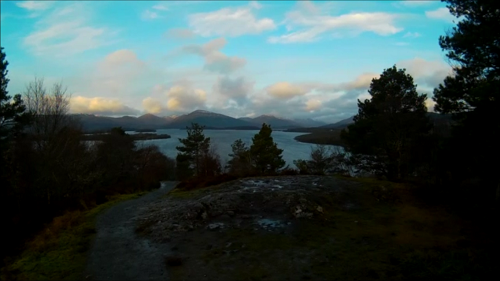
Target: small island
(321, 136)
(145, 131)
(135, 137)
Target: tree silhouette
(239, 164)
(191, 153)
(389, 124)
(265, 154)
(472, 93)
(12, 116)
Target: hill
(275, 122)
(339, 125)
(211, 120)
(92, 123)
(207, 119)
(308, 122)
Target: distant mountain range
(210, 120)
(341, 124)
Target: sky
(291, 59)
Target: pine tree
(472, 93)
(12, 116)
(190, 159)
(390, 124)
(239, 164)
(264, 152)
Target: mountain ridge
(211, 120)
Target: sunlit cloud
(285, 90)
(308, 24)
(230, 22)
(100, 106)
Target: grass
(59, 252)
(391, 235)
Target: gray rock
(214, 226)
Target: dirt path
(118, 253)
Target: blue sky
(300, 59)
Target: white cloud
(215, 60)
(402, 43)
(100, 106)
(180, 33)
(255, 5)
(155, 12)
(152, 105)
(441, 14)
(361, 82)
(313, 104)
(122, 57)
(308, 23)
(414, 3)
(425, 72)
(429, 103)
(185, 98)
(35, 5)
(120, 74)
(229, 22)
(160, 7)
(285, 90)
(149, 15)
(412, 35)
(66, 32)
(121, 64)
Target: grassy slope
(59, 252)
(392, 236)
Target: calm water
(223, 139)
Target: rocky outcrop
(241, 203)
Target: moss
(59, 252)
(377, 240)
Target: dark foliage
(240, 163)
(391, 124)
(264, 152)
(197, 157)
(47, 166)
(471, 95)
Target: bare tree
(49, 110)
(56, 140)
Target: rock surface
(239, 204)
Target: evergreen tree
(239, 164)
(472, 93)
(12, 116)
(265, 154)
(390, 124)
(195, 147)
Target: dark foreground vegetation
(320, 228)
(46, 168)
